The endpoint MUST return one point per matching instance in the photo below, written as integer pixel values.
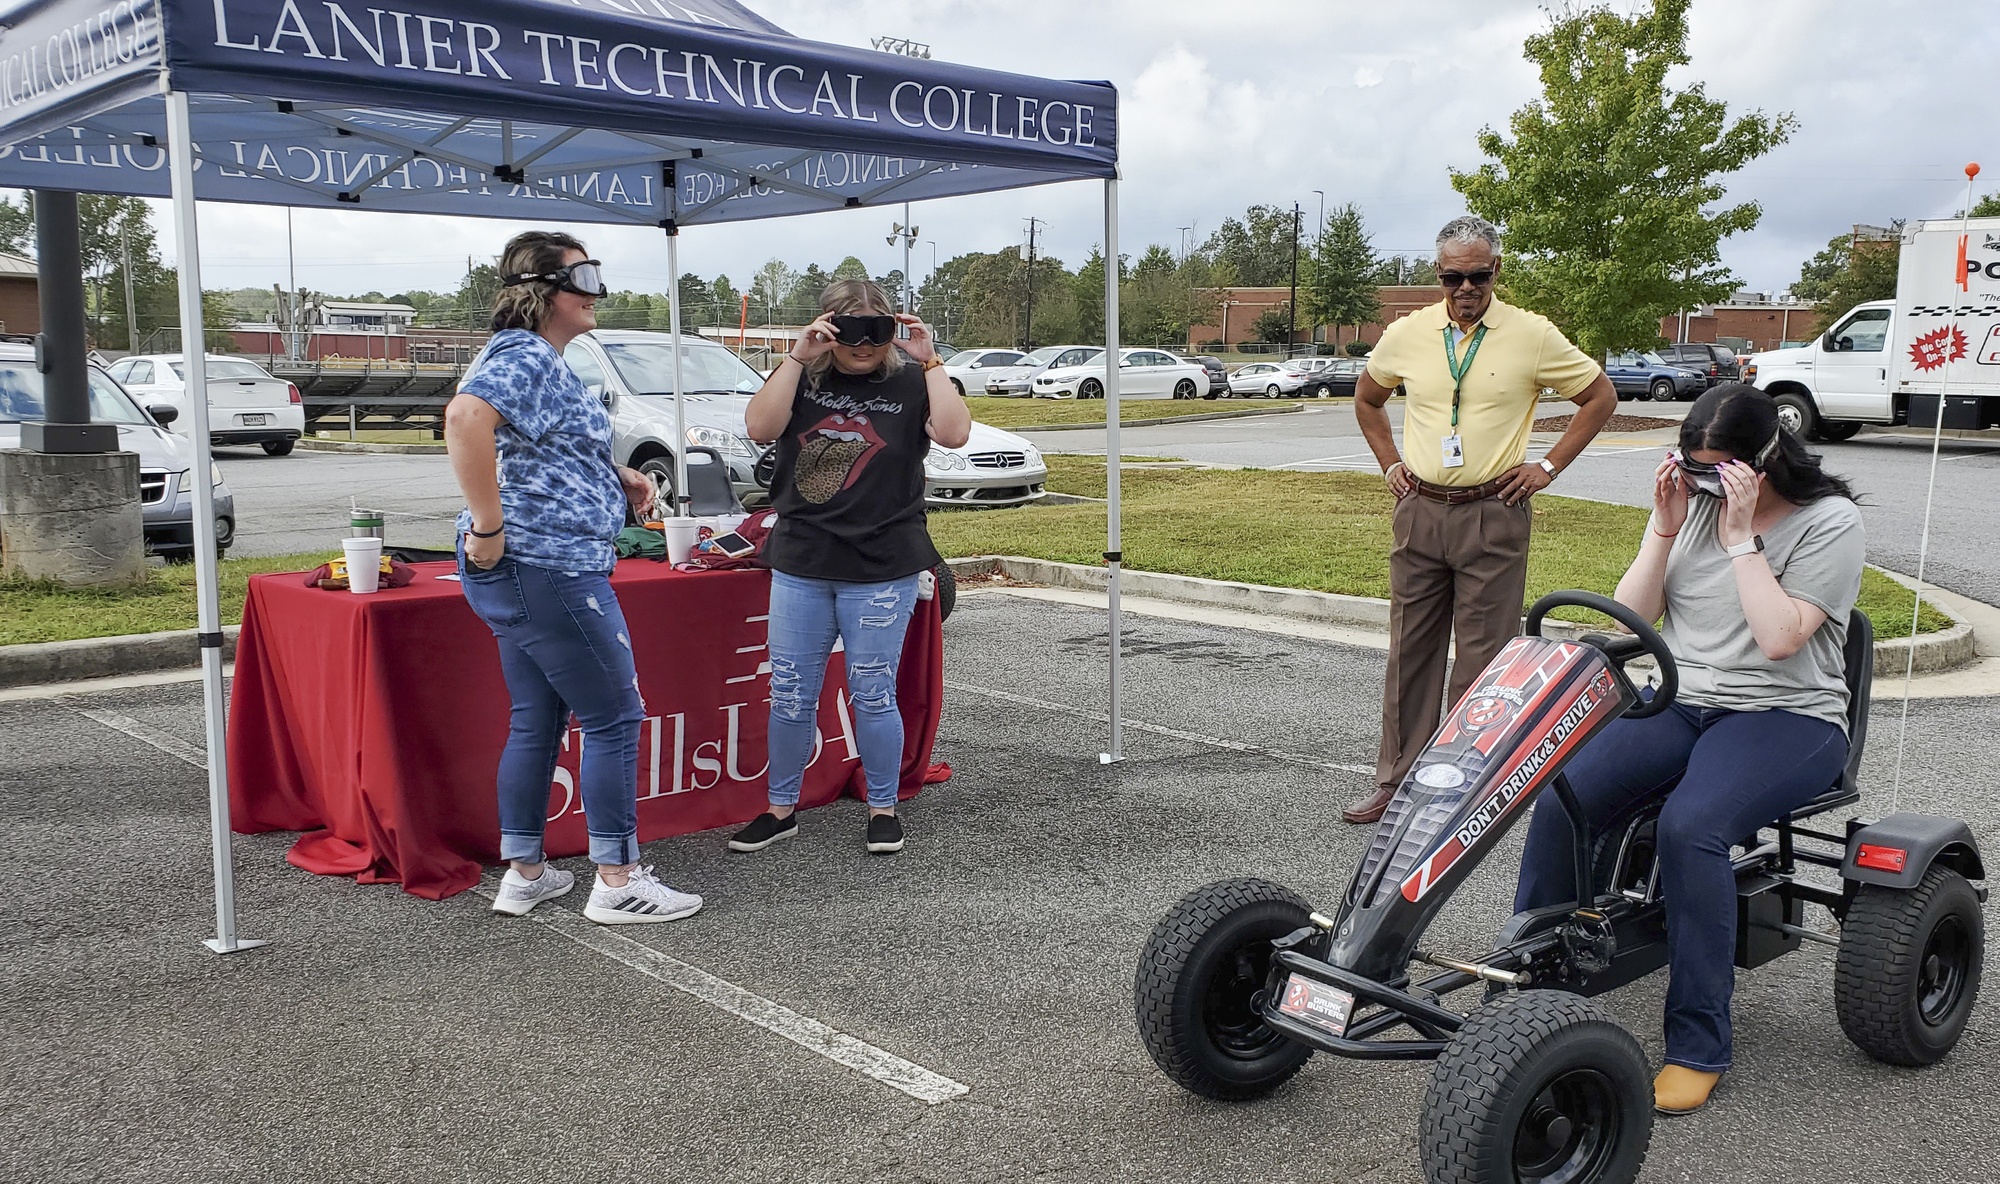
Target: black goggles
(581, 277)
(1453, 280)
(858, 330)
(1708, 478)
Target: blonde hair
(533, 252)
(855, 298)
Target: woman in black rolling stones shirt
(854, 419)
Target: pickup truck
(1933, 349)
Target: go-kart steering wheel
(1619, 650)
(766, 469)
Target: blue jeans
(870, 619)
(563, 647)
(1724, 774)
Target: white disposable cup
(680, 538)
(364, 564)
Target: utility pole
(292, 351)
(1028, 323)
(908, 233)
(1293, 332)
(131, 317)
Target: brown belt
(1455, 495)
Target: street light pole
(1293, 332)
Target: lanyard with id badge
(1454, 449)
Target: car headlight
(214, 473)
(716, 438)
(1750, 373)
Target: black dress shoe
(1370, 808)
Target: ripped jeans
(870, 619)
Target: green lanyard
(1459, 372)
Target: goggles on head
(863, 330)
(1707, 478)
(583, 277)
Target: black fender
(1923, 839)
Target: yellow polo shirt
(1521, 353)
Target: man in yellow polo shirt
(1472, 368)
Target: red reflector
(293, 387)
(1882, 859)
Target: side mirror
(163, 413)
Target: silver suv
(166, 461)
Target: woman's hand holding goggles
(853, 330)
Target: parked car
(633, 371)
(245, 404)
(1218, 375)
(1647, 376)
(1332, 376)
(1018, 381)
(1718, 362)
(1142, 373)
(968, 368)
(1271, 379)
(166, 459)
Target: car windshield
(1043, 356)
(1653, 359)
(224, 368)
(648, 367)
(21, 396)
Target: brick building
(20, 295)
(1238, 309)
(1749, 323)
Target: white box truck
(1890, 361)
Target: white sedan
(1142, 374)
(992, 468)
(1270, 379)
(968, 368)
(245, 404)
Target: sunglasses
(1453, 280)
(863, 330)
(583, 277)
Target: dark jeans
(1724, 774)
(563, 647)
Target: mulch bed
(1617, 423)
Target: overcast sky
(1226, 104)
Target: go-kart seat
(1859, 658)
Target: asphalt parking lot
(384, 1037)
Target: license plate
(1317, 1004)
(253, 421)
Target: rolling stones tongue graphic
(832, 454)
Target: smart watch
(1750, 546)
(1547, 467)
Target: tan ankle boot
(1680, 1090)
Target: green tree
(850, 268)
(1406, 269)
(1862, 270)
(1986, 207)
(1273, 325)
(728, 301)
(1338, 287)
(1089, 288)
(1257, 248)
(1603, 187)
(1817, 274)
(812, 281)
(771, 289)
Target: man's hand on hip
(1523, 481)
(1398, 477)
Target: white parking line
(885, 1067)
(172, 745)
(1163, 730)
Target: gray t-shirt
(1816, 553)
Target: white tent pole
(682, 502)
(194, 364)
(1113, 556)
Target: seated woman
(1753, 556)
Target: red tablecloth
(375, 723)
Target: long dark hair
(1741, 420)
(522, 306)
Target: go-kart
(1242, 980)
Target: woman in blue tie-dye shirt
(532, 451)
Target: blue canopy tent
(667, 113)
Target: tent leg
(180, 148)
(1113, 556)
(683, 504)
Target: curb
(1153, 423)
(312, 445)
(105, 657)
(1948, 649)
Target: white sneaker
(518, 893)
(639, 900)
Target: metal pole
(194, 361)
(1114, 557)
(131, 314)
(683, 504)
(909, 237)
(1028, 323)
(291, 292)
(64, 342)
(1292, 332)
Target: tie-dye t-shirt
(559, 487)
